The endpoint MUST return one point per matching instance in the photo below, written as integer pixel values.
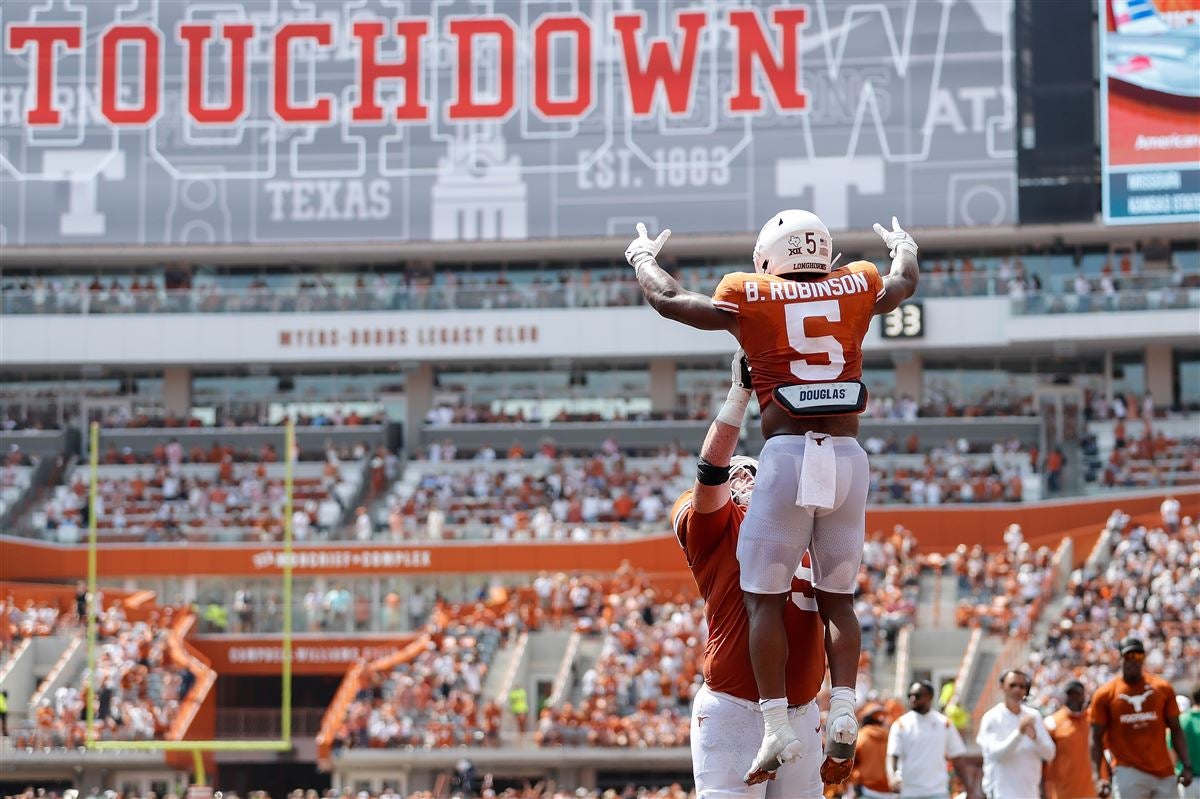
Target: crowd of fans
(481, 787)
(1146, 583)
(638, 691)
(1145, 457)
(1002, 591)
(485, 413)
(951, 475)
(431, 701)
(424, 289)
(549, 497)
(21, 620)
(337, 416)
(15, 476)
(888, 587)
(139, 688)
(434, 700)
(210, 492)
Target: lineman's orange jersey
(802, 331)
(710, 542)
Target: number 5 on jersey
(814, 348)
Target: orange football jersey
(802, 331)
(710, 542)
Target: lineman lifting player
(801, 323)
(726, 718)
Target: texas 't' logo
(1138, 701)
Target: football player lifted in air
(801, 323)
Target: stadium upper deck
(564, 339)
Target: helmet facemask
(742, 473)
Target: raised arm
(901, 282)
(663, 292)
(711, 491)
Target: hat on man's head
(1132, 644)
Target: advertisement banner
(152, 122)
(1150, 110)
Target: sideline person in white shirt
(1014, 742)
(919, 744)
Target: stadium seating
(1025, 278)
(543, 498)
(14, 482)
(21, 620)
(140, 688)
(199, 501)
(1147, 454)
(1001, 591)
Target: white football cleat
(776, 750)
(841, 730)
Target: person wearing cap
(1130, 715)
(919, 744)
(1069, 774)
(1014, 742)
(870, 754)
(728, 721)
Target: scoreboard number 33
(907, 321)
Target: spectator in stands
(919, 744)
(518, 705)
(1169, 511)
(1069, 773)
(1131, 715)
(1055, 462)
(1014, 742)
(3, 714)
(363, 529)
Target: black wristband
(709, 475)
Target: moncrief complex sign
(168, 122)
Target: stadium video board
(1150, 110)
(149, 122)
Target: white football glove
(740, 369)
(897, 238)
(644, 247)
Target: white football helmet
(793, 241)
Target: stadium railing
(1141, 299)
(605, 292)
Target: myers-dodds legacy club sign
(155, 121)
